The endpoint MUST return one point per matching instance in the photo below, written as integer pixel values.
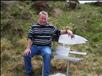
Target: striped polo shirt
(43, 34)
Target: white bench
(63, 50)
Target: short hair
(43, 13)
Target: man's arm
(59, 32)
(63, 31)
(29, 43)
(27, 50)
(67, 31)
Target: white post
(67, 74)
(42, 68)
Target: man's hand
(67, 31)
(27, 51)
(70, 33)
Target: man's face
(42, 19)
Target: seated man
(39, 42)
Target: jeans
(45, 52)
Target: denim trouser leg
(27, 60)
(46, 53)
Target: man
(39, 43)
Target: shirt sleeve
(56, 35)
(30, 33)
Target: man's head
(43, 18)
